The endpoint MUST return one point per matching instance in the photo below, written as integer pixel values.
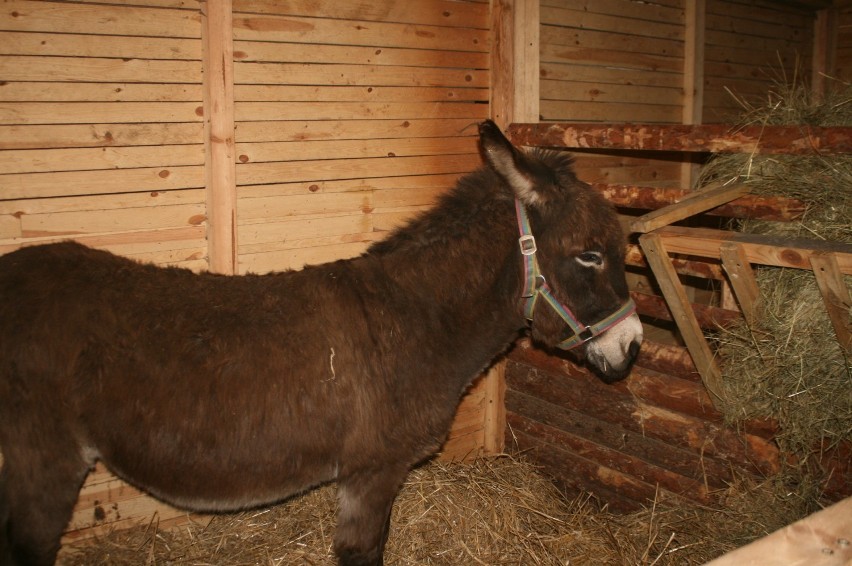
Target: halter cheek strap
(536, 286)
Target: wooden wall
(349, 119)
(843, 51)
(751, 46)
(101, 128)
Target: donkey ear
(509, 162)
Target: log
(715, 138)
(701, 435)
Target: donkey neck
(461, 257)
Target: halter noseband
(535, 285)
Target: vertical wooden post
(527, 61)
(693, 76)
(220, 164)
(739, 271)
(835, 295)
(502, 62)
(824, 50)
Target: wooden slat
(65, 17)
(76, 45)
(26, 113)
(91, 69)
(275, 111)
(364, 75)
(718, 138)
(742, 280)
(835, 295)
(66, 183)
(99, 135)
(296, 29)
(693, 203)
(305, 130)
(765, 250)
(371, 94)
(679, 303)
(430, 12)
(46, 160)
(344, 149)
(102, 92)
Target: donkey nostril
(633, 349)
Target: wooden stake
(742, 280)
(835, 295)
(693, 203)
(679, 304)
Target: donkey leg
(36, 502)
(363, 523)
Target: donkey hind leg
(36, 503)
(363, 521)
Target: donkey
(219, 393)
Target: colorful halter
(535, 285)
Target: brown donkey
(218, 393)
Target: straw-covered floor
(495, 511)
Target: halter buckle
(527, 243)
(586, 334)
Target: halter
(536, 286)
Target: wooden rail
(715, 138)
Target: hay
(789, 366)
(496, 511)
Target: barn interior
(249, 136)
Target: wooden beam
(835, 295)
(717, 138)
(681, 307)
(825, 50)
(762, 249)
(741, 276)
(693, 77)
(693, 203)
(220, 164)
(748, 206)
(821, 539)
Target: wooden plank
(329, 169)
(835, 295)
(220, 159)
(99, 135)
(494, 410)
(371, 94)
(46, 160)
(305, 130)
(297, 29)
(678, 302)
(271, 52)
(102, 92)
(766, 250)
(430, 12)
(67, 183)
(577, 111)
(742, 280)
(717, 138)
(275, 111)
(821, 539)
(693, 203)
(77, 45)
(363, 75)
(344, 149)
(92, 69)
(64, 17)
(26, 113)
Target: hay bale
(789, 366)
(493, 511)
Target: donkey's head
(572, 249)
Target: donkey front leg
(363, 521)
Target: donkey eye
(590, 259)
